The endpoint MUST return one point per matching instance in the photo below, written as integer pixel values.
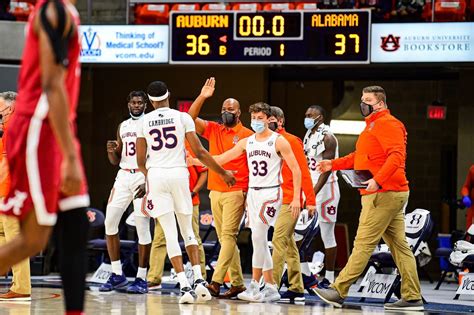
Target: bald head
(230, 112)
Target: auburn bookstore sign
(422, 42)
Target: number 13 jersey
(164, 130)
(128, 135)
(263, 162)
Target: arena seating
(446, 10)
(21, 10)
(247, 6)
(152, 14)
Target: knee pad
(112, 220)
(142, 224)
(168, 224)
(327, 234)
(186, 227)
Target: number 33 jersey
(164, 130)
(263, 161)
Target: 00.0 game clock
(316, 37)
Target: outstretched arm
(206, 92)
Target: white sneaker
(201, 291)
(270, 293)
(187, 296)
(252, 294)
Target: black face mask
(366, 109)
(273, 126)
(229, 118)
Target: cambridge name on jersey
(128, 135)
(164, 130)
(263, 162)
(314, 148)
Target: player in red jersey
(43, 152)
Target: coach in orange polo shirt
(227, 204)
(381, 149)
(9, 225)
(197, 180)
(284, 245)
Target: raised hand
(208, 89)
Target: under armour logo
(160, 115)
(150, 205)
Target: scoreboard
(291, 37)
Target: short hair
(9, 96)
(157, 88)
(378, 91)
(277, 112)
(260, 107)
(320, 109)
(137, 94)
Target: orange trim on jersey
(324, 204)
(111, 195)
(262, 210)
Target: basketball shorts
(263, 205)
(34, 159)
(167, 191)
(327, 201)
(124, 190)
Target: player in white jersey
(265, 151)
(161, 137)
(320, 143)
(129, 187)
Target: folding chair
(128, 248)
(418, 228)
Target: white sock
(141, 273)
(197, 272)
(305, 269)
(183, 280)
(117, 267)
(330, 276)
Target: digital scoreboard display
(294, 37)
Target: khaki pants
(158, 250)
(9, 229)
(382, 216)
(227, 210)
(285, 249)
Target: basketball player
(161, 137)
(321, 144)
(129, 186)
(45, 158)
(265, 151)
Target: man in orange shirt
(381, 149)
(227, 203)
(467, 193)
(284, 245)
(197, 180)
(9, 225)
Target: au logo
(90, 43)
(390, 43)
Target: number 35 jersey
(164, 130)
(128, 135)
(263, 161)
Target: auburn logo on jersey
(390, 43)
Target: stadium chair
(247, 6)
(306, 6)
(305, 231)
(418, 228)
(446, 10)
(152, 14)
(215, 7)
(128, 248)
(185, 7)
(21, 10)
(279, 6)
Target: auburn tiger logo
(390, 43)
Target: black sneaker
(324, 284)
(292, 297)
